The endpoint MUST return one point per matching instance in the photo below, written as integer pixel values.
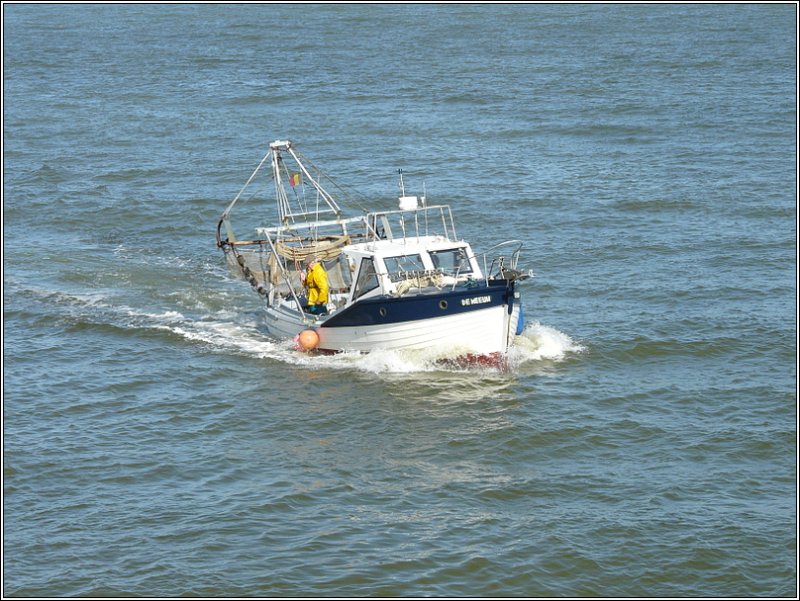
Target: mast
(279, 169)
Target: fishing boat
(396, 279)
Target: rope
(419, 281)
(324, 250)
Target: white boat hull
(480, 332)
(483, 331)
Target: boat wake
(537, 345)
(242, 333)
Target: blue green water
(644, 442)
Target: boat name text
(475, 300)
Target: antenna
(402, 186)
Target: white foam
(171, 316)
(539, 342)
(227, 336)
(234, 332)
(392, 361)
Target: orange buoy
(307, 340)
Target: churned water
(644, 442)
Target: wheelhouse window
(399, 267)
(451, 261)
(367, 278)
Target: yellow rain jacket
(317, 284)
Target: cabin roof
(403, 246)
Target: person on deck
(316, 283)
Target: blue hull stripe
(389, 309)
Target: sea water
(643, 441)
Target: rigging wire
(347, 194)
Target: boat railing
(411, 223)
(500, 258)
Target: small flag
(294, 179)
